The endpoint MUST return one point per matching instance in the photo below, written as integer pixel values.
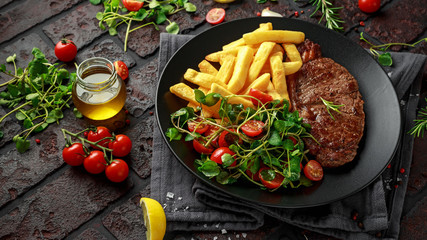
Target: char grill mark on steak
(323, 78)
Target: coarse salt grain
(170, 195)
(223, 231)
(179, 198)
(244, 235)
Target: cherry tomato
(74, 154)
(117, 171)
(65, 50)
(212, 130)
(101, 132)
(195, 125)
(226, 138)
(121, 69)
(198, 146)
(254, 176)
(121, 145)
(133, 5)
(95, 163)
(263, 97)
(275, 183)
(313, 170)
(215, 15)
(369, 6)
(219, 152)
(293, 140)
(253, 128)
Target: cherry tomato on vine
(270, 184)
(313, 170)
(369, 6)
(100, 133)
(117, 171)
(215, 16)
(74, 154)
(65, 50)
(133, 5)
(198, 146)
(219, 152)
(263, 97)
(253, 128)
(95, 163)
(196, 126)
(121, 69)
(121, 145)
(226, 138)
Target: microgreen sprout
(420, 123)
(331, 106)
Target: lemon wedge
(154, 218)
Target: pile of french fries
(260, 59)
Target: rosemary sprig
(385, 58)
(329, 13)
(331, 106)
(420, 123)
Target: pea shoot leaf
(173, 134)
(385, 59)
(173, 28)
(22, 144)
(210, 168)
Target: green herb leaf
(20, 116)
(22, 144)
(173, 28)
(210, 168)
(11, 58)
(173, 134)
(77, 113)
(112, 31)
(161, 17)
(42, 127)
(225, 178)
(189, 7)
(268, 174)
(1, 134)
(385, 59)
(227, 160)
(99, 16)
(95, 2)
(154, 4)
(275, 139)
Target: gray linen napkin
(190, 205)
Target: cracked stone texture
(91, 234)
(22, 48)
(352, 15)
(127, 221)
(413, 224)
(141, 89)
(403, 22)
(10, 128)
(19, 19)
(21, 171)
(5, 2)
(142, 146)
(61, 206)
(107, 49)
(81, 26)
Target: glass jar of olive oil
(98, 93)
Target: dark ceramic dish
(382, 128)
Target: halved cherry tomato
(212, 130)
(275, 183)
(313, 170)
(74, 154)
(215, 15)
(263, 97)
(65, 50)
(253, 128)
(95, 163)
(198, 146)
(369, 6)
(226, 138)
(117, 171)
(100, 133)
(254, 176)
(195, 125)
(293, 140)
(133, 5)
(219, 152)
(121, 69)
(121, 145)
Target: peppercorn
(296, 14)
(362, 23)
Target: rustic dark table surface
(43, 198)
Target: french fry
(295, 58)
(216, 56)
(206, 67)
(202, 79)
(260, 58)
(272, 92)
(234, 100)
(278, 36)
(205, 113)
(185, 92)
(241, 68)
(261, 83)
(240, 42)
(278, 75)
(226, 70)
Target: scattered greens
(331, 106)
(329, 13)
(37, 95)
(152, 13)
(385, 57)
(420, 123)
(274, 148)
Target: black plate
(382, 128)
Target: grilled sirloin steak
(323, 78)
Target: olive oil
(98, 93)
